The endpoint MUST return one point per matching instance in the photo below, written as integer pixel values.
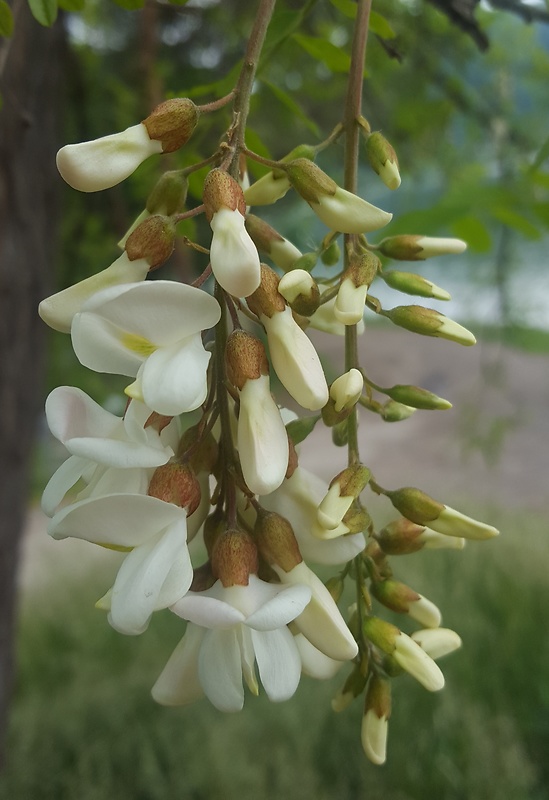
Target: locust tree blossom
(231, 628)
(110, 453)
(156, 572)
(150, 331)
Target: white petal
(209, 612)
(174, 377)
(247, 658)
(98, 346)
(313, 662)
(139, 588)
(281, 609)
(295, 360)
(61, 481)
(348, 213)
(125, 520)
(233, 255)
(266, 190)
(71, 414)
(262, 438)
(58, 310)
(178, 683)
(278, 662)
(102, 163)
(111, 480)
(220, 670)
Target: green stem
(353, 106)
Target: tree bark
(30, 66)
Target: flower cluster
(229, 477)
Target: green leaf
(299, 429)
(288, 101)
(6, 19)
(72, 5)
(347, 7)
(380, 26)
(543, 153)
(130, 5)
(333, 57)
(44, 11)
(474, 232)
(516, 221)
(217, 88)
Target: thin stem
(353, 106)
(243, 90)
(215, 104)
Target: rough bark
(30, 83)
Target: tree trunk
(30, 66)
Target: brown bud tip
(234, 558)
(172, 123)
(266, 299)
(153, 240)
(245, 358)
(276, 541)
(220, 190)
(177, 484)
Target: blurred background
(460, 90)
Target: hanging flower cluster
(151, 481)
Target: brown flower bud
(153, 240)
(172, 123)
(177, 484)
(266, 299)
(234, 558)
(220, 190)
(276, 541)
(245, 358)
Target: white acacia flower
(346, 212)
(230, 628)
(150, 331)
(58, 310)
(102, 163)
(262, 438)
(297, 499)
(295, 360)
(321, 621)
(110, 453)
(156, 572)
(233, 255)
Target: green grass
(84, 726)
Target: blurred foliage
(77, 735)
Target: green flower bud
(429, 322)
(413, 284)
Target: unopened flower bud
(377, 710)
(417, 248)
(356, 280)
(396, 412)
(172, 123)
(400, 598)
(413, 284)
(234, 558)
(407, 653)
(177, 484)
(233, 255)
(338, 209)
(344, 488)
(300, 291)
(169, 194)
(383, 159)
(352, 688)
(418, 507)
(437, 642)
(214, 526)
(429, 322)
(276, 541)
(340, 434)
(345, 392)
(266, 300)
(153, 240)
(331, 255)
(269, 241)
(416, 397)
(245, 358)
(307, 262)
(203, 450)
(357, 519)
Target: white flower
(102, 163)
(436, 246)
(325, 319)
(152, 331)
(295, 360)
(233, 255)
(110, 453)
(346, 390)
(437, 642)
(349, 302)
(58, 310)
(348, 213)
(321, 621)
(268, 189)
(313, 662)
(297, 500)
(262, 438)
(229, 630)
(156, 573)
